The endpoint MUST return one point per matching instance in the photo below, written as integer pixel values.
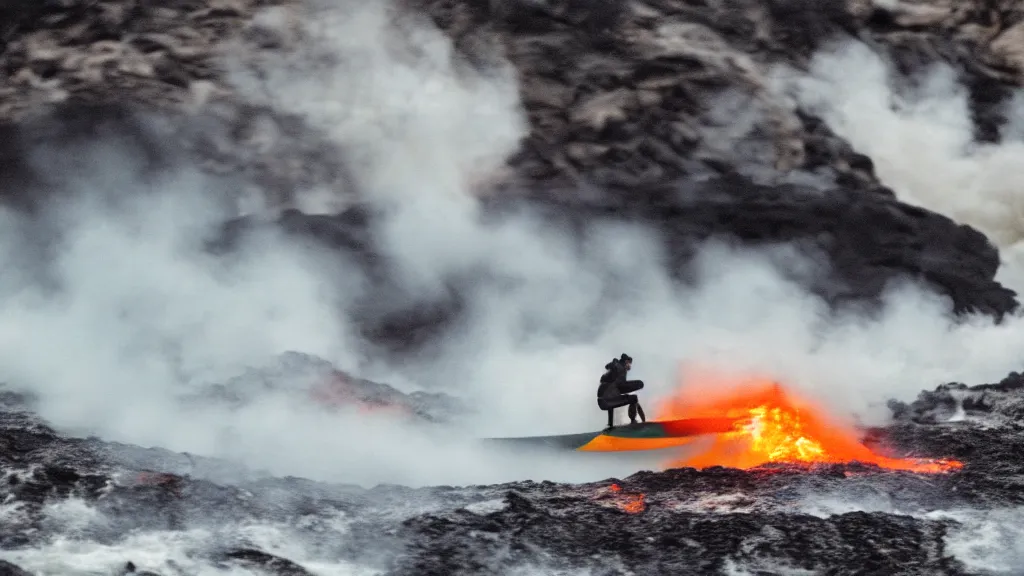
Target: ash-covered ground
(272, 269)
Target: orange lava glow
(776, 427)
(628, 503)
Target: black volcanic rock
(673, 521)
(8, 569)
(619, 99)
(620, 93)
(1000, 401)
(868, 241)
(675, 526)
(268, 562)
(682, 542)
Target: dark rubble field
(616, 95)
(767, 520)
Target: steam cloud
(143, 317)
(922, 142)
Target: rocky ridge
(321, 382)
(762, 519)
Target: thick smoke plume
(920, 135)
(143, 316)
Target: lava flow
(630, 503)
(775, 427)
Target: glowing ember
(628, 503)
(776, 427)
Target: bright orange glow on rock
(630, 503)
(776, 427)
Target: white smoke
(921, 140)
(141, 309)
(144, 316)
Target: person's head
(626, 361)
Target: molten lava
(776, 427)
(630, 503)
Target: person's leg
(631, 386)
(630, 399)
(610, 404)
(634, 403)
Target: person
(614, 390)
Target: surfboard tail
(647, 436)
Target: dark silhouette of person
(614, 390)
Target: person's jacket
(615, 374)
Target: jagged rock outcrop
(1000, 401)
(618, 94)
(623, 94)
(78, 62)
(163, 54)
(684, 542)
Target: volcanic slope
(480, 204)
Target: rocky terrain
(763, 520)
(666, 113)
(637, 104)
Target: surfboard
(646, 436)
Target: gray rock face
(631, 93)
(321, 382)
(1000, 401)
(639, 101)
